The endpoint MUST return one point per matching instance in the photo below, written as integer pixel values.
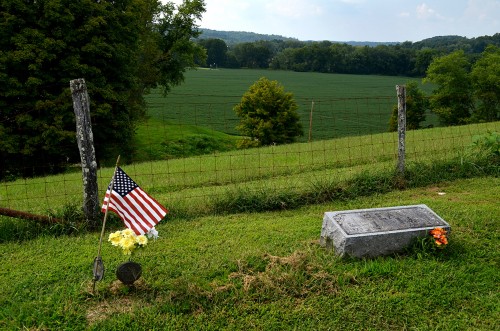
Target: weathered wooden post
(85, 138)
(401, 92)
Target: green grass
(344, 105)
(159, 140)
(266, 271)
(231, 264)
(195, 185)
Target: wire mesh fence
(185, 153)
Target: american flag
(138, 210)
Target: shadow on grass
(71, 222)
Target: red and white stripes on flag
(138, 210)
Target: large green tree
(453, 99)
(486, 80)
(122, 48)
(268, 115)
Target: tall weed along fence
(342, 138)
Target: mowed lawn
(341, 105)
(266, 271)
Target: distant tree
(254, 55)
(216, 51)
(231, 60)
(452, 100)
(486, 80)
(121, 47)
(268, 115)
(416, 106)
(479, 44)
(321, 59)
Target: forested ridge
(237, 37)
(394, 59)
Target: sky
(355, 20)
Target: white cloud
(425, 12)
(227, 15)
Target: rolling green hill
(341, 105)
(236, 37)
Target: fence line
(358, 124)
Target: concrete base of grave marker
(377, 231)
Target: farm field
(344, 105)
(198, 117)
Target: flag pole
(98, 264)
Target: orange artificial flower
(439, 235)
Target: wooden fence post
(85, 138)
(401, 92)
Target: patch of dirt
(121, 304)
(105, 309)
(290, 275)
(295, 260)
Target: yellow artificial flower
(115, 238)
(127, 243)
(128, 233)
(142, 240)
(127, 240)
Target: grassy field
(193, 185)
(266, 271)
(344, 105)
(225, 261)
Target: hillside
(236, 37)
(451, 43)
(443, 43)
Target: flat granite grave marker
(377, 231)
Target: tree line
(465, 93)
(465, 71)
(402, 59)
